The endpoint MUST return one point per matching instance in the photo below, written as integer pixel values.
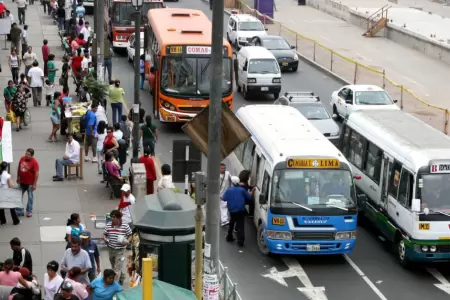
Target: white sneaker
(87, 159)
(94, 160)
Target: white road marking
(444, 284)
(365, 278)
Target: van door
(383, 200)
(243, 74)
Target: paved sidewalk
(43, 234)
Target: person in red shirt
(80, 40)
(45, 54)
(76, 62)
(2, 121)
(152, 80)
(27, 178)
(150, 170)
(2, 8)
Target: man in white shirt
(225, 183)
(21, 7)
(86, 31)
(85, 62)
(71, 156)
(36, 80)
(24, 41)
(28, 59)
(124, 205)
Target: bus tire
(245, 93)
(260, 238)
(239, 88)
(400, 251)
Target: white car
(242, 28)
(360, 97)
(130, 46)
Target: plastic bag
(27, 118)
(10, 116)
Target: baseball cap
(85, 234)
(234, 179)
(126, 187)
(67, 286)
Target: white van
(242, 28)
(258, 72)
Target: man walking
(91, 128)
(76, 257)
(27, 178)
(21, 256)
(24, 41)
(92, 249)
(236, 198)
(117, 235)
(36, 80)
(21, 8)
(225, 183)
(15, 34)
(71, 156)
(45, 54)
(107, 62)
(28, 59)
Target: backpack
(79, 231)
(83, 121)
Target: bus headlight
(424, 248)
(168, 106)
(433, 249)
(279, 235)
(345, 235)
(121, 38)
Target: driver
(334, 187)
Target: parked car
(357, 97)
(242, 27)
(284, 53)
(130, 46)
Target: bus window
(178, 76)
(372, 162)
(394, 181)
(265, 186)
(247, 159)
(405, 189)
(261, 171)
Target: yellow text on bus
(313, 163)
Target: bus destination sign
(198, 50)
(313, 163)
(192, 50)
(440, 168)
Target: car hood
(326, 126)
(250, 34)
(288, 53)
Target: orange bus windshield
(123, 13)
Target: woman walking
(142, 70)
(7, 183)
(19, 104)
(116, 94)
(149, 135)
(52, 280)
(55, 116)
(14, 65)
(100, 135)
(74, 228)
(10, 278)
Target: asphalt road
(369, 273)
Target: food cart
(73, 114)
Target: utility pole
(200, 199)
(137, 53)
(211, 260)
(100, 38)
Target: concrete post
(139, 184)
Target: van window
(251, 26)
(356, 149)
(247, 159)
(239, 151)
(261, 171)
(346, 142)
(405, 190)
(263, 66)
(372, 162)
(394, 181)
(265, 185)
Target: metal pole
(147, 279)
(199, 200)
(100, 38)
(211, 263)
(137, 76)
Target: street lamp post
(137, 4)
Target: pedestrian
(91, 128)
(125, 128)
(65, 73)
(6, 183)
(76, 257)
(141, 114)
(71, 156)
(55, 117)
(107, 62)
(79, 289)
(86, 31)
(244, 177)
(225, 183)
(74, 228)
(166, 180)
(21, 8)
(49, 88)
(15, 34)
(152, 80)
(110, 142)
(149, 135)
(23, 80)
(105, 288)
(19, 105)
(47, 7)
(141, 70)
(118, 134)
(33, 287)
(8, 277)
(61, 14)
(116, 97)
(28, 59)
(85, 63)
(126, 201)
(9, 92)
(92, 249)
(45, 53)
(51, 68)
(24, 39)
(27, 178)
(65, 292)
(237, 197)
(100, 138)
(14, 65)
(52, 280)
(80, 25)
(80, 11)
(36, 79)
(149, 170)
(21, 256)
(117, 235)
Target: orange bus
(179, 47)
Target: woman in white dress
(52, 280)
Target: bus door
(386, 172)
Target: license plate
(313, 248)
(285, 64)
(264, 89)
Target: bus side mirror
(395, 101)
(262, 199)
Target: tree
(96, 89)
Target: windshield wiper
(337, 206)
(296, 204)
(436, 212)
(172, 91)
(316, 118)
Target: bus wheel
(245, 93)
(400, 251)
(239, 88)
(261, 243)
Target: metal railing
(228, 289)
(353, 71)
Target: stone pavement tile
(53, 233)
(52, 251)
(28, 230)
(54, 219)
(57, 199)
(96, 200)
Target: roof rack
(302, 95)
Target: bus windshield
(313, 188)
(192, 76)
(435, 192)
(124, 13)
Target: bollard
(314, 51)
(384, 79)
(147, 279)
(356, 73)
(446, 121)
(331, 62)
(401, 97)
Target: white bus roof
(403, 135)
(282, 131)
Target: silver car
(314, 110)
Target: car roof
(364, 87)
(244, 18)
(256, 52)
(270, 37)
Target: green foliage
(97, 89)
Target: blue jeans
(61, 23)
(116, 112)
(107, 63)
(59, 165)
(29, 189)
(142, 80)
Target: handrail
(371, 17)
